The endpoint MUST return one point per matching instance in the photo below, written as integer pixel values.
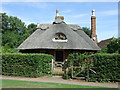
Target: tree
(31, 28)
(87, 31)
(13, 30)
(114, 46)
(4, 21)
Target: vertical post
(88, 69)
(52, 65)
(72, 71)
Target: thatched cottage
(60, 39)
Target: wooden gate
(57, 68)
(80, 70)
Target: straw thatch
(42, 38)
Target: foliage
(14, 31)
(106, 66)
(87, 31)
(7, 49)
(97, 67)
(30, 29)
(114, 46)
(66, 76)
(27, 65)
(81, 61)
(76, 59)
(103, 50)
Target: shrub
(77, 63)
(106, 66)
(98, 67)
(28, 65)
(66, 76)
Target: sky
(74, 13)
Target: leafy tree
(87, 31)
(4, 21)
(30, 29)
(114, 46)
(13, 30)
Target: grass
(31, 84)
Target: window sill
(59, 40)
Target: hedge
(106, 66)
(102, 67)
(27, 65)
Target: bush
(79, 62)
(28, 65)
(7, 49)
(106, 66)
(66, 76)
(114, 46)
(98, 67)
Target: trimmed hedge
(106, 66)
(27, 65)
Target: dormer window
(60, 37)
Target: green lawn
(31, 84)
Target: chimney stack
(58, 19)
(93, 27)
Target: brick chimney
(93, 27)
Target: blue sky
(74, 13)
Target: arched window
(60, 37)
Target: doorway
(59, 56)
(58, 64)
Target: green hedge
(28, 65)
(106, 66)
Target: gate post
(52, 65)
(72, 71)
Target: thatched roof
(42, 38)
(46, 26)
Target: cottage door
(59, 56)
(58, 62)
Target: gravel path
(58, 79)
